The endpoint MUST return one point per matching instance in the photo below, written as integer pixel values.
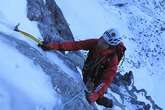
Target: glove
(44, 46)
(92, 97)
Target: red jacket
(110, 66)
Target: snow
(9, 17)
(24, 86)
(56, 60)
(88, 19)
(19, 72)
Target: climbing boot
(104, 101)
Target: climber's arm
(72, 45)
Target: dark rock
(52, 25)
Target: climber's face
(102, 44)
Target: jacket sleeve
(73, 45)
(109, 74)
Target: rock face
(53, 27)
(51, 20)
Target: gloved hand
(44, 46)
(92, 97)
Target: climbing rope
(75, 97)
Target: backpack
(93, 80)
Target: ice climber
(101, 64)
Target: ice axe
(38, 41)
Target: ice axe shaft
(28, 35)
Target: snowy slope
(23, 85)
(16, 14)
(88, 19)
